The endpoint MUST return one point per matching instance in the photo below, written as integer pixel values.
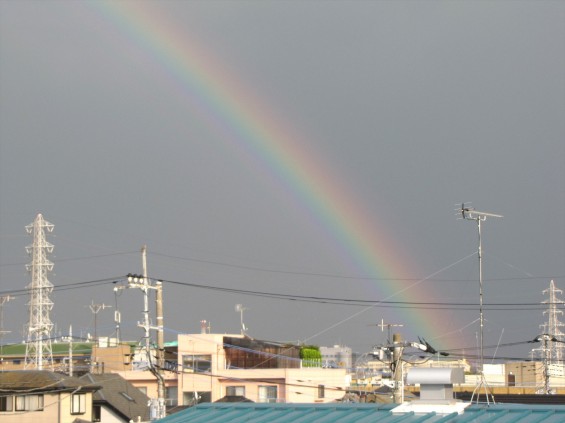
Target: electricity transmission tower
(38, 346)
(555, 349)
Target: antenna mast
(38, 346)
(469, 213)
(240, 309)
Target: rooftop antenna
(469, 213)
(384, 325)
(240, 309)
(95, 309)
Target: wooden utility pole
(398, 396)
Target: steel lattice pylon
(555, 349)
(38, 346)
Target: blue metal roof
(361, 413)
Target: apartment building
(213, 366)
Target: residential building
(337, 356)
(212, 366)
(208, 367)
(12, 356)
(117, 400)
(31, 396)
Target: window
(321, 391)
(29, 402)
(6, 403)
(267, 394)
(193, 398)
(96, 413)
(78, 404)
(171, 395)
(238, 391)
(201, 363)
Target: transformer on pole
(39, 328)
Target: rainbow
(229, 106)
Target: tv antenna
(240, 309)
(469, 213)
(384, 325)
(95, 309)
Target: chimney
(203, 326)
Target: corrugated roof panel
(362, 413)
(279, 416)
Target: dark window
(233, 391)
(321, 391)
(6, 403)
(96, 413)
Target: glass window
(6, 403)
(267, 394)
(29, 402)
(321, 391)
(171, 395)
(235, 391)
(78, 404)
(200, 363)
(193, 398)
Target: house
(117, 400)
(337, 356)
(31, 396)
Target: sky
(303, 159)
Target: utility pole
(142, 282)
(160, 350)
(3, 299)
(38, 346)
(469, 213)
(398, 396)
(69, 339)
(396, 365)
(382, 325)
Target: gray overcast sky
(131, 123)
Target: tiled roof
(120, 395)
(360, 413)
(41, 381)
